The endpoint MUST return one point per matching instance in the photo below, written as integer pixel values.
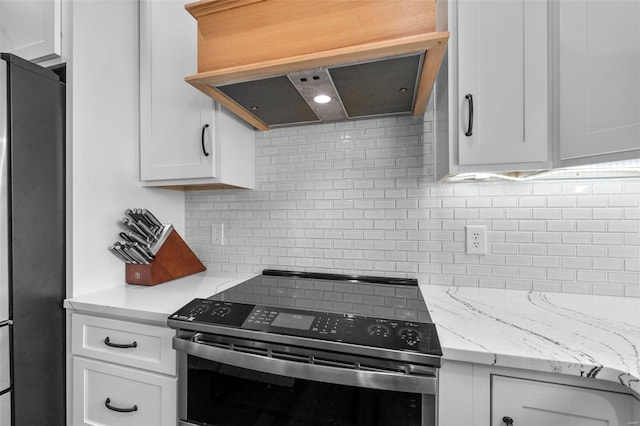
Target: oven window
(222, 395)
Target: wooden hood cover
(265, 60)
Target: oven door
(223, 387)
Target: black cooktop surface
(386, 313)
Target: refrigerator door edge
(4, 211)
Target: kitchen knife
(117, 254)
(137, 216)
(125, 256)
(137, 238)
(145, 255)
(151, 236)
(133, 227)
(146, 213)
(134, 254)
(126, 237)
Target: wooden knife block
(174, 259)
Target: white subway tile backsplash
(360, 197)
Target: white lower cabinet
(481, 395)
(124, 373)
(108, 394)
(535, 403)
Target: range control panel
(355, 329)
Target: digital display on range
(297, 321)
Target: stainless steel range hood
(377, 58)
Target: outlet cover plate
(217, 234)
(476, 239)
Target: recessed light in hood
(266, 60)
(322, 99)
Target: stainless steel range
(291, 348)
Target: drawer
(123, 342)
(112, 395)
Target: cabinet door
(109, 395)
(598, 45)
(502, 64)
(31, 29)
(173, 113)
(533, 403)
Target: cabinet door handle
(107, 342)
(204, 150)
(469, 131)
(107, 403)
(507, 420)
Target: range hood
(278, 63)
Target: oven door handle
(423, 384)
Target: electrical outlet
(217, 234)
(476, 239)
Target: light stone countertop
(574, 334)
(155, 303)
(581, 335)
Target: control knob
(378, 330)
(221, 311)
(410, 336)
(198, 310)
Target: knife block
(174, 259)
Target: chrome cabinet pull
(469, 131)
(204, 150)
(107, 342)
(107, 403)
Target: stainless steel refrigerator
(32, 244)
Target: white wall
(103, 136)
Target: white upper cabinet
(553, 84)
(502, 67)
(186, 140)
(497, 86)
(598, 75)
(31, 29)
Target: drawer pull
(107, 403)
(107, 342)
